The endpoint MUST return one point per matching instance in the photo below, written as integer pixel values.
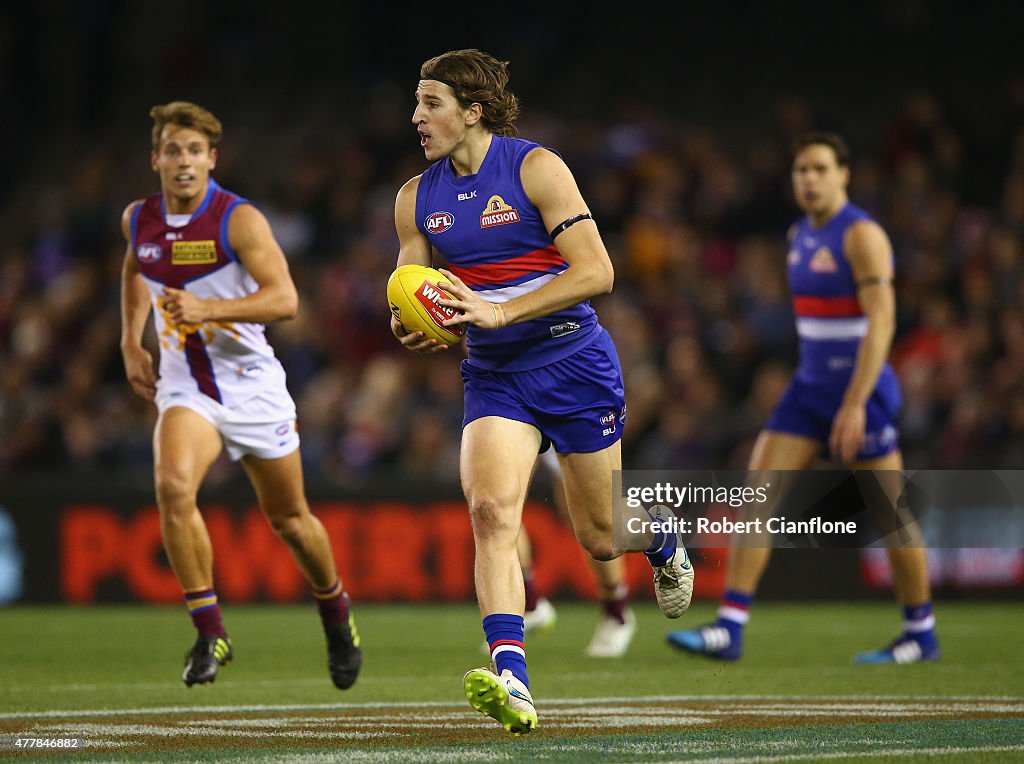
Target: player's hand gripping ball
(413, 294)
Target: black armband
(872, 280)
(569, 223)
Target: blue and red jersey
(831, 326)
(829, 319)
(493, 238)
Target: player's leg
(617, 624)
(748, 560)
(496, 464)
(280, 491)
(539, 614)
(582, 410)
(185, 444)
(588, 481)
(908, 559)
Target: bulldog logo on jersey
(822, 261)
(498, 213)
(149, 252)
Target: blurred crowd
(694, 216)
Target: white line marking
(879, 751)
(999, 704)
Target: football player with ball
(524, 257)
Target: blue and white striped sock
(734, 612)
(504, 632)
(919, 623)
(663, 546)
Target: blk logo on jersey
(498, 213)
(438, 222)
(150, 253)
(194, 252)
(823, 262)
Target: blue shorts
(577, 403)
(807, 408)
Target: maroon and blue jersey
(493, 238)
(228, 361)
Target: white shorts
(264, 426)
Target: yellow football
(413, 294)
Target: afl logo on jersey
(498, 213)
(439, 222)
(150, 253)
(823, 262)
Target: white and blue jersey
(831, 326)
(559, 372)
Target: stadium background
(677, 129)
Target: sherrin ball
(413, 296)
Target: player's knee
(488, 519)
(596, 539)
(599, 548)
(289, 526)
(174, 488)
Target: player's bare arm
(413, 249)
(251, 238)
(870, 256)
(550, 185)
(135, 309)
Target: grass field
(110, 676)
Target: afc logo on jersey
(438, 222)
(150, 253)
(497, 212)
(822, 261)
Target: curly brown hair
(477, 77)
(185, 114)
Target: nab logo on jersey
(439, 222)
(498, 213)
(823, 262)
(150, 253)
